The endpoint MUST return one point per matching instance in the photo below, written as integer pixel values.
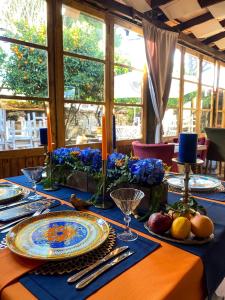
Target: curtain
(160, 46)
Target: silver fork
(37, 213)
(3, 244)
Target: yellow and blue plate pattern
(57, 235)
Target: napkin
(13, 267)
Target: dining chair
(165, 152)
(216, 148)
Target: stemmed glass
(127, 199)
(33, 174)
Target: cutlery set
(87, 280)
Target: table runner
(43, 287)
(214, 268)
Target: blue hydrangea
(148, 171)
(62, 155)
(112, 158)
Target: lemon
(181, 228)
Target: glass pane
(205, 120)
(222, 77)
(190, 95)
(189, 121)
(83, 34)
(220, 100)
(20, 122)
(191, 67)
(127, 85)
(83, 123)
(128, 122)
(23, 70)
(174, 95)
(207, 72)
(170, 122)
(176, 63)
(24, 20)
(219, 119)
(129, 48)
(207, 96)
(83, 79)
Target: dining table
(169, 272)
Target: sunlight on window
(129, 48)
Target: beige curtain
(160, 46)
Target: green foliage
(25, 70)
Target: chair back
(216, 149)
(160, 151)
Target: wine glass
(127, 199)
(33, 174)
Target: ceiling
(201, 19)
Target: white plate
(198, 183)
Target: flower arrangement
(122, 170)
(120, 167)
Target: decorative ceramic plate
(57, 235)
(9, 193)
(198, 183)
(191, 240)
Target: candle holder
(50, 185)
(187, 168)
(104, 202)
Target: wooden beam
(195, 21)
(205, 3)
(214, 38)
(184, 39)
(157, 3)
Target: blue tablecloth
(212, 254)
(220, 196)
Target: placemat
(48, 287)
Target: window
(23, 72)
(190, 103)
(128, 78)
(171, 116)
(220, 101)
(84, 76)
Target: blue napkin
(56, 286)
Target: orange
(202, 226)
(181, 228)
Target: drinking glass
(127, 199)
(33, 174)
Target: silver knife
(81, 284)
(3, 207)
(80, 274)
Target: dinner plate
(57, 235)
(198, 183)
(9, 193)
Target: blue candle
(114, 132)
(43, 136)
(188, 147)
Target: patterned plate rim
(10, 237)
(193, 189)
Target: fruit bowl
(191, 240)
